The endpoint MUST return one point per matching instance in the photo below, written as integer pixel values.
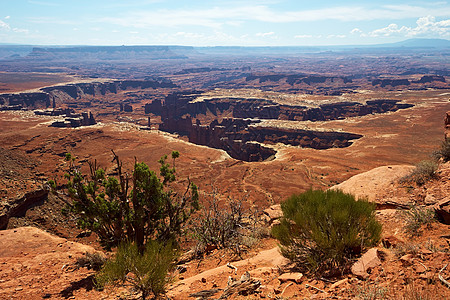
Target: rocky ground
(35, 264)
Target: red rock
(366, 262)
(420, 269)
(407, 259)
(391, 241)
(273, 212)
(338, 283)
(444, 213)
(295, 277)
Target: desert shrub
(137, 208)
(368, 291)
(406, 248)
(414, 291)
(91, 260)
(417, 216)
(322, 231)
(444, 151)
(226, 225)
(423, 172)
(52, 185)
(146, 272)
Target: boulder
(274, 212)
(294, 277)
(391, 241)
(442, 209)
(365, 263)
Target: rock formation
(18, 207)
(242, 137)
(58, 94)
(391, 82)
(74, 120)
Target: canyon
(250, 124)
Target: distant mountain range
(420, 43)
(11, 51)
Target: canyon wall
(50, 96)
(241, 136)
(177, 105)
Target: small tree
(138, 208)
(321, 231)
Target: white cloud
(426, 26)
(265, 34)
(355, 31)
(216, 17)
(20, 30)
(339, 36)
(52, 20)
(189, 35)
(303, 36)
(4, 25)
(7, 17)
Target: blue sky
(220, 22)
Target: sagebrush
(423, 172)
(416, 216)
(91, 260)
(322, 231)
(146, 272)
(444, 151)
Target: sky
(220, 22)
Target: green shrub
(93, 261)
(368, 291)
(423, 172)
(417, 216)
(444, 151)
(147, 272)
(322, 231)
(52, 184)
(130, 207)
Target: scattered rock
(407, 259)
(338, 283)
(442, 209)
(366, 262)
(244, 286)
(273, 213)
(420, 269)
(295, 277)
(391, 241)
(429, 199)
